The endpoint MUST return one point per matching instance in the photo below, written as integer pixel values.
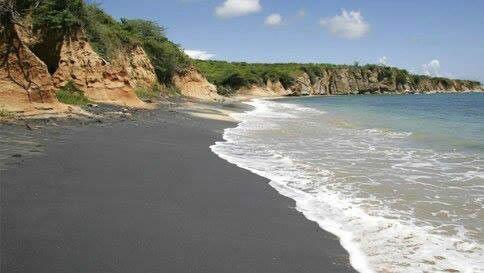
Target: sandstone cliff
(100, 80)
(269, 89)
(26, 87)
(192, 84)
(138, 66)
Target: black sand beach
(144, 197)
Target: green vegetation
(236, 75)
(4, 114)
(228, 76)
(107, 36)
(172, 91)
(231, 76)
(145, 93)
(58, 16)
(402, 76)
(110, 37)
(70, 94)
(166, 57)
(53, 19)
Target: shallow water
(398, 178)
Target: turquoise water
(442, 121)
(399, 179)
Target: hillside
(59, 52)
(324, 79)
(56, 52)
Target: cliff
(193, 85)
(374, 79)
(26, 87)
(137, 65)
(100, 80)
(48, 47)
(76, 47)
(256, 79)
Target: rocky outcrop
(276, 88)
(141, 72)
(270, 89)
(100, 80)
(26, 87)
(302, 85)
(341, 81)
(192, 84)
(344, 81)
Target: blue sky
(440, 37)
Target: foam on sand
(327, 177)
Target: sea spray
(395, 204)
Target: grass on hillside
(70, 94)
(4, 114)
(145, 93)
(229, 76)
(110, 37)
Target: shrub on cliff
(146, 93)
(70, 94)
(109, 36)
(166, 57)
(235, 81)
(401, 77)
(58, 16)
(240, 74)
(314, 72)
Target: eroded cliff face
(32, 70)
(192, 84)
(137, 64)
(270, 89)
(343, 81)
(100, 80)
(26, 87)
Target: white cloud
(274, 20)
(199, 54)
(383, 61)
(348, 25)
(235, 8)
(432, 68)
(301, 13)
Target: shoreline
(357, 258)
(149, 195)
(243, 143)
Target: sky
(434, 37)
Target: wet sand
(150, 196)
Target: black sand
(152, 197)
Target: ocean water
(399, 179)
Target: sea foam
(380, 234)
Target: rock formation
(276, 88)
(268, 90)
(138, 66)
(193, 84)
(100, 80)
(33, 69)
(346, 81)
(26, 86)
